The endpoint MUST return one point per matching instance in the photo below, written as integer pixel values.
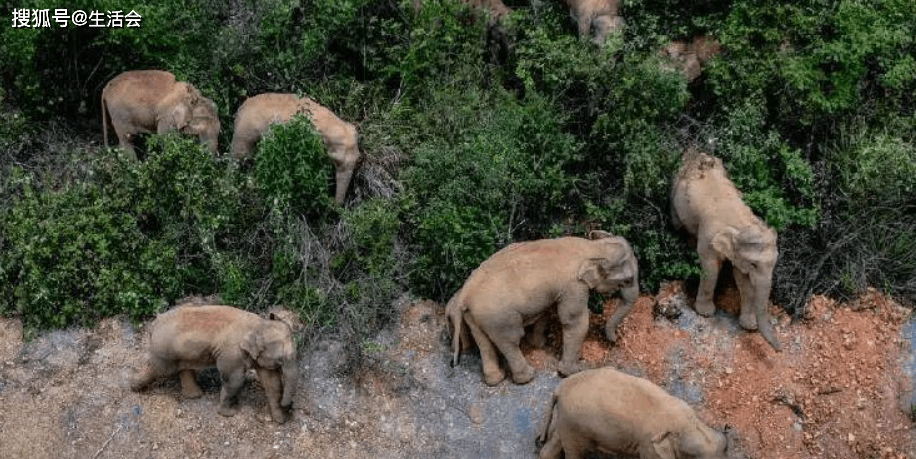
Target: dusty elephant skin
(612, 412)
(600, 14)
(145, 101)
(188, 338)
(706, 203)
(257, 113)
(517, 285)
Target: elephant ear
(663, 444)
(252, 344)
(177, 118)
(723, 243)
(598, 234)
(594, 270)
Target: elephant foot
(141, 379)
(524, 376)
(494, 377)
(228, 410)
(748, 321)
(566, 369)
(537, 339)
(705, 308)
(611, 334)
(278, 414)
(194, 392)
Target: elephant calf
(144, 101)
(689, 58)
(257, 113)
(612, 412)
(188, 338)
(706, 203)
(517, 285)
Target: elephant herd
(145, 101)
(597, 410)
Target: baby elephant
(607, 411)
(188, 338)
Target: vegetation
(475, 137)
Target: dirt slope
(839, 389)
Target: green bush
(292, 168)
(493, 174)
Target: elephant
(144, 101)
(516, 286)
(605, 410)
(706, 203)
(187, 338)
(257, 113)
(689, 58)
(600, 14)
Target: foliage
(292, 168)
(493, 174)
(475, 135)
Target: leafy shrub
(292, 168)
(494, 174)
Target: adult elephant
(144, 101)
(612, 412)
(188, 338)
(257, 113)
(598, 14)
(706, 203)
(519, 284)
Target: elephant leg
(748, 317)
(273, 388)
(538, 337)
(552, 449)
(711, 265)
(242, 145)
(507, 331)
(189, 387)
(232, 380)
(492, 373)
(156, 368)
(126, 135)
(573, 314)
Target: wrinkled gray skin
(600, 14)
(257, 113)
(516, 286)
(706, 204)
(610, 412)
(188, 338)
(145, 101)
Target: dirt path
(840, 389)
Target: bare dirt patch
(836, 391)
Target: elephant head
(613, 269)
(696, 440)
(189, 112)
(753, 253)
(271, 346)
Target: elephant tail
(549, 427)
(455, 316)
(105, 117)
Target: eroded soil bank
(841, 388)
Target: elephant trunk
(290, 382)
(763, 318)
(343, 184)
